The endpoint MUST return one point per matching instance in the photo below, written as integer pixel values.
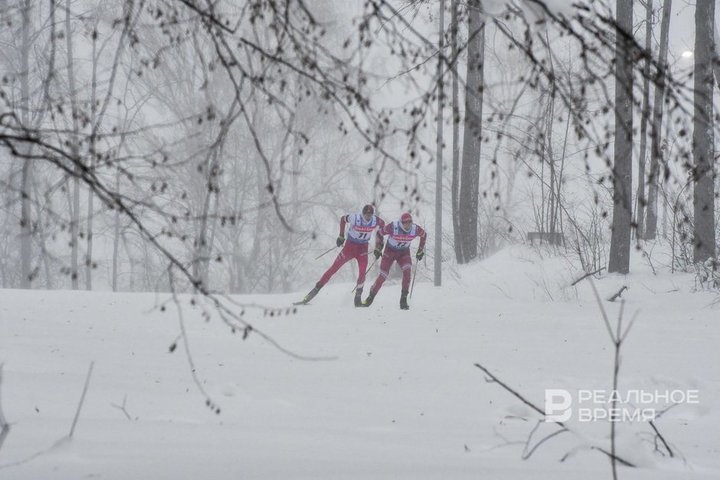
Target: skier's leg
(339, 262)
(362, 261)
(406, 264)
(344, 256)
(385, 263)
(361, 255)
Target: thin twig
(82, 399)
(602, 311)
(616, 374)
(122, 407)
(617, 295)
(586, 275)
(612, 456)
(542, 412)
(662, 439)
(35, 455)
(186, 342)
(62, 440)
(527, 454)
(4, 425)
(516, 394)
(632, 322)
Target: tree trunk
(116, 237)
(25, 201)
(640, 196)
(75, 211)
(253, 267)
(97, 119)
(656, 137)
(437, 261)
(201, 262)
(557, 214)
(91, 160)
(472, 136)
(703, 135)
(549, 215)
(455, 185)
(240, 191)
(42, 247)
(622, 164)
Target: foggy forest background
(150, 145)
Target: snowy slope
(401, 397)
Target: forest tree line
(221, 140)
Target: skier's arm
(423, 237)
(343, 222)
(381, 232)
(341, 238)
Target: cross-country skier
(400, 234)
(359, 233)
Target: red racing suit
(397, 249)
(356, 246)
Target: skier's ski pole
(371, 265)
(325, 252)
(412, 287)
(366, 272)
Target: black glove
(420, 254)
(340, 240)
(377, 252)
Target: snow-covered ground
(400, 398)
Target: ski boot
(358, 300)
(368, 301)
(403, 300)
(311, 294)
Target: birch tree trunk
(657, 117)
(640, 196)
(622, 164)
(703, 133)
(472, 136)
(455, 185)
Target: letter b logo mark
(557, 405)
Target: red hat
(368, 209)
(405, 217)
